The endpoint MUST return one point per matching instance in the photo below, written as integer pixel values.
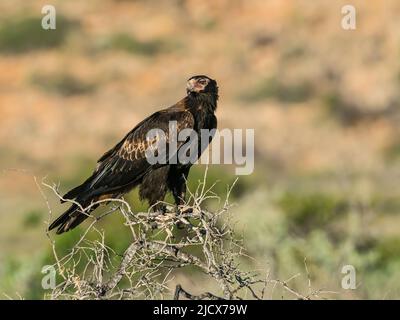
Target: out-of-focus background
(324, 103)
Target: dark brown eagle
(126, 166)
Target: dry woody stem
(161, 245)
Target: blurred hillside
(324, 103)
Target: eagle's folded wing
(127, 162)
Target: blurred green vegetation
(351, 113)
(311, 211)
(32, 218)
(63, 84)
(388, 250)
(341, 110)
(392, 152)
(208, 23)
(22, 34)
(126, 42)
(329, 231)
(275, 88)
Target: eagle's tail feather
(77, 191)
(72, 193)
(69, 219)
(85, 188)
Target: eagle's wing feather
(126, 161)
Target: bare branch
(93, 270)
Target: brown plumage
(125, 166)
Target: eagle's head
(202, 85)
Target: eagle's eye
(202, 81)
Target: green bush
(23, 34)
(274, 88)
(309, 211)
(62, 84)
(392, 152)
(350, 112)
(32, 219)
(125, 42)
(388, 250)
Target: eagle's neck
(202, 107)
(201, 102)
